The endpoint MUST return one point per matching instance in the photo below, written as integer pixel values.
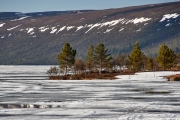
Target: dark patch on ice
(146, 111)
(141, 89)
(9, 115)
(164, 111)
(157, 92)
(13, 106)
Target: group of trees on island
(99, 60)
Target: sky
(27, 6)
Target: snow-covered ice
(26, 93)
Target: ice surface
(13, 27)
(169, 16)
(26, 93)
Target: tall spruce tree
(136, 58)
(102, 57)
(149, 65)
(67, 57)
(90, 58)
(166, 57)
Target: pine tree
(166, 57)
(149, 65)
(67, 57)
(101, 56)
(136, 58)
(90, 58)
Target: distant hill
(37, 38)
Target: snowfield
(26, 93)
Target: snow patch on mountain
(29, 30)
(3, 37)
(138, 30)
(43, 29)
(2, 24)
(169, 16)
(22, 18)
(140, 20)
(121, 29)
(31, 33)
(168, 24)
(115, 22)
(69, 27)
(54, 29)
(13, 27)
(111, 23)
(93, 26)
(79, 27)
(61, 29)
(9, 35)
(108, 30)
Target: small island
(99, 64)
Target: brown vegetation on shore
(91, 76)
(175, 77)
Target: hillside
(37, 38)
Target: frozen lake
(26, 93)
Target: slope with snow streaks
(117, 29)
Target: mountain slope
(38, 39)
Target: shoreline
(92, 76)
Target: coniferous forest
(100, 64)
